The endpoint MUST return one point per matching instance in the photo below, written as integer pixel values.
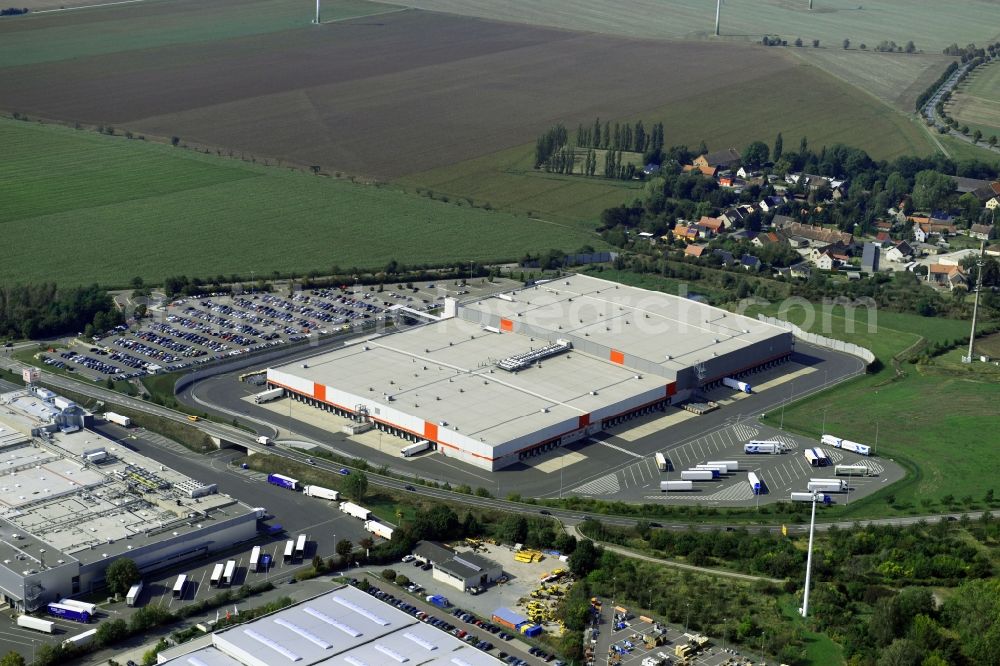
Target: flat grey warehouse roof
(445, 372)
(671, 331)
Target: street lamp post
(809, 557)
(725, 632)
(687, 616)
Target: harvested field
(115, 28)
(931, 25)
(895, 78)
(453, 89)
(810, 103)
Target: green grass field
(81, 207)
(976, 103)
(44, 37)
(963, 150)
(939, 420)
(812, 103)
(931, 25)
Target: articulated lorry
(268, 395)
(827, 485)
(352, 509)
(117, 419)
(700, 474)
(321, 493)
(763, 447)
(736, 384)
(808, 497)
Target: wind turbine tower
(975, 307)
(317, 13)
(718, 10)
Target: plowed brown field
(383, 96)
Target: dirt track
(382, 96)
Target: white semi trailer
(670, 486)
(321, 492)
(378, 529)
(352, 509)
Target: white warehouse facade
(535, 368)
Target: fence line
(821, 341)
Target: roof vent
(593, 393)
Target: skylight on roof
(427, 645)
(333, 622)
(361, 611)
(304, 633)
(392, 654)
(274, 645)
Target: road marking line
(618, 448)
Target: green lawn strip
(187, 213)
(937, 425)
(820, 649)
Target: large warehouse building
(344, 627)
(503, 378)
(72, 502)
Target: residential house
(901, 252)
(726, 255)
(726, 179)
(813, 182)
(695, 250)
(720, 159)
(993, 250)
(782, 221)
(800, 270)
(742, 234)
(686, 232)
(708, 171)
(963, 185)
(825, 261)
(647, 236)
(715, 224)
(924, 228)
(981, 231)
(870, 257)
(947, 276)
(882, 239)
(750, 262)
(987, 191)
(768, 238)
(767, 204)
(747, 173)
(798, 242)
(732, 216)
(993, 204)
(884, 225)
(819, 235)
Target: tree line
(44, 310)
(557, 153)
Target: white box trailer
(134, 592)
(268, 395)
(827, 485)
(254, 559)
(811, 457)
(414, 449)
(80, 639)
(36, 623)
(763, 447)
(321, 492)
(661, 461)
(227, 577)
(736, 384)
(722, 468)
(671, 486)
(851, 470)
(731, 465)
(118, 419)
(756, 485)
(216, 579)
(699, 475)
(378, 529)
(352, 509)
(264, 440)
(846, 444)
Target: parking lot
(188, 332)
(478, 632)
(779, 475)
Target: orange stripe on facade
(319, 391)
(617, 357)
(672, 388)
(430, 431)
(506, 325)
